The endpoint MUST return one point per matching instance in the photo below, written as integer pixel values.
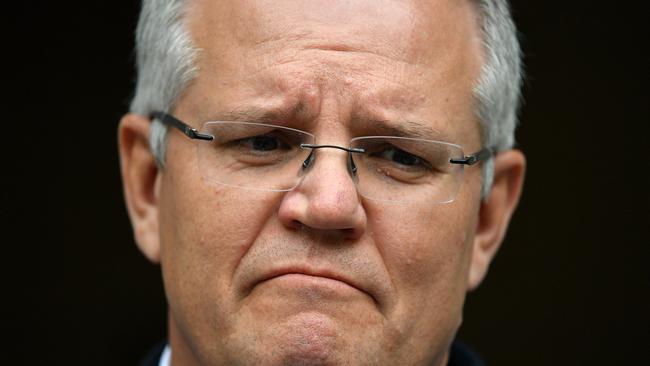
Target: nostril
(348, 232)
(295, 224)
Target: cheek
(205, 230)
(211, 231)
(426, 253)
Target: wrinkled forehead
(384, 60)
(415, 32)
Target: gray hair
(498, 89)
(165, 61)
(166, 55)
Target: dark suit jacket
(460, 355)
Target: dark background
(569, 287)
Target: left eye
(399, 156)
(264, 143)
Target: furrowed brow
(399, 128)
(260, 114)
(405, 128)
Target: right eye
(262, 143)
(259, 149)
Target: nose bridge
(327, 168)
(309, 162)
(326, 198)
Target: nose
(326, 199)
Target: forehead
(390, 55)
(391, 27)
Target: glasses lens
(407, 170)
(252, 155)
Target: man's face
(321, 275)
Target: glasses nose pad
(352, 165)
(308, 161)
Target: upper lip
(317, 272)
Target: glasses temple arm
(481, 155)
(172, 121)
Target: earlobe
(141, 182)
(495, 212)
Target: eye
(400, 157)
(262, 143)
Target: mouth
(328, 281)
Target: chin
(305, 338)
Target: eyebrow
(261, 115)
(379, 127)
(404, 128)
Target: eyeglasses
(275, 158)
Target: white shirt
(166, 357)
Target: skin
(370, 283)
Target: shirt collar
(166, 356)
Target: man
(322, 182)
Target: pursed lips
(324, 274)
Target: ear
(496, 211)
(141, 181)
